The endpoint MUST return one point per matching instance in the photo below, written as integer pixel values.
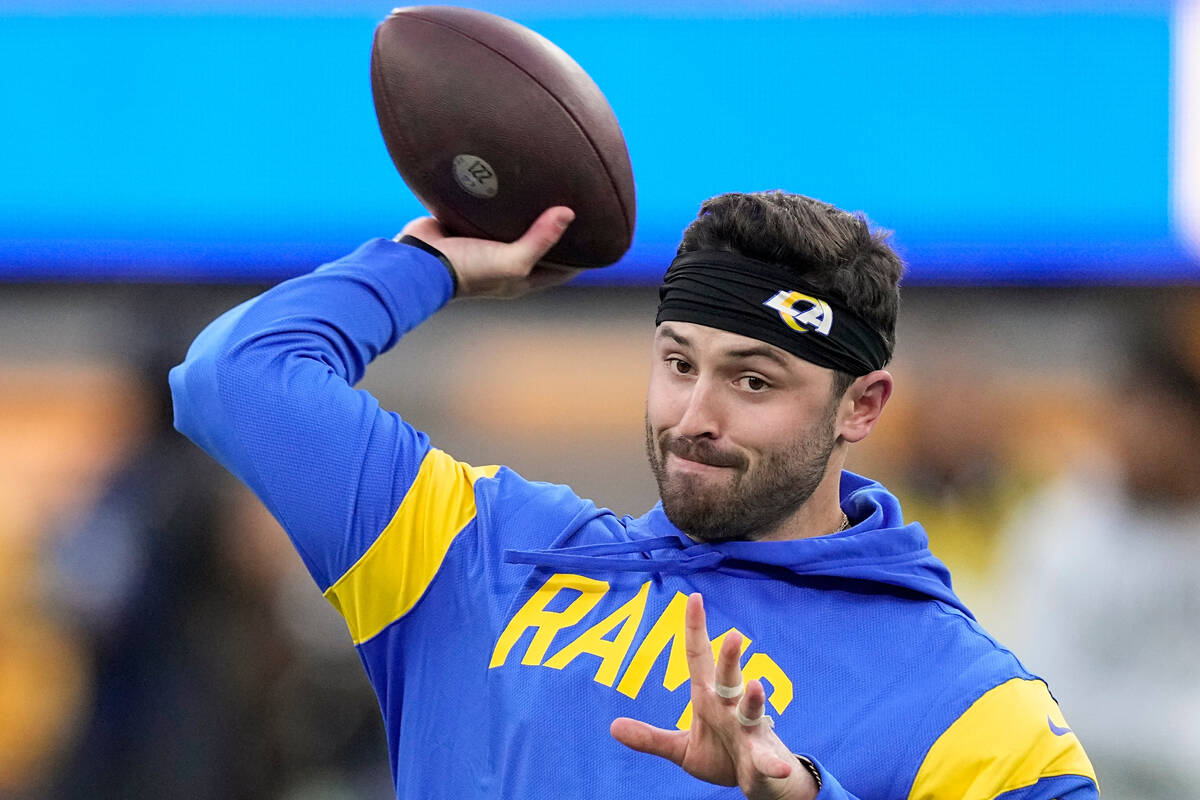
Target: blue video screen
(238, 142)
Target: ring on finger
(761, 719)
(728, 692)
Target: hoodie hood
(877, 548)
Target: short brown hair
(857, 266)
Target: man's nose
(702, 413)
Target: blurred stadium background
(161, 161)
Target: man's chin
(702, 518)
(703, 493)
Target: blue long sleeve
(412, 547)
(267, 390)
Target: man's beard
(752, 502)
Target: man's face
(738, 432)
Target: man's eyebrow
(671, 333)
(765, 352)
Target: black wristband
(812, 769)
(433, 251)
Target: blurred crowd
(160, 638)
(170, 645)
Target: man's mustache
(701, 451)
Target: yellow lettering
(592, 641)
(667, 634)
(667, 630)
(763, 667)
(534, 615)
(685, 719)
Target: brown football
(490, 124)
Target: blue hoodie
(505, 623)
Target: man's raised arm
(267, 388)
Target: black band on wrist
(433, 251)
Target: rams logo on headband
(817, 317)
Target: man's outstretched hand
(498, 269)
(719, 747)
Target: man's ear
(863, 403)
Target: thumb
(543, 234)
(637, 735)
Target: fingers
(697, 644)
(730, 739)
(543, 234)
(752, 705)
(768, 756)
(728, 681)
(671, 745)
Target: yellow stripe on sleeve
(388, 580)
(1008, 739)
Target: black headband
(766, 302)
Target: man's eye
(753, 383)
(680, 366)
